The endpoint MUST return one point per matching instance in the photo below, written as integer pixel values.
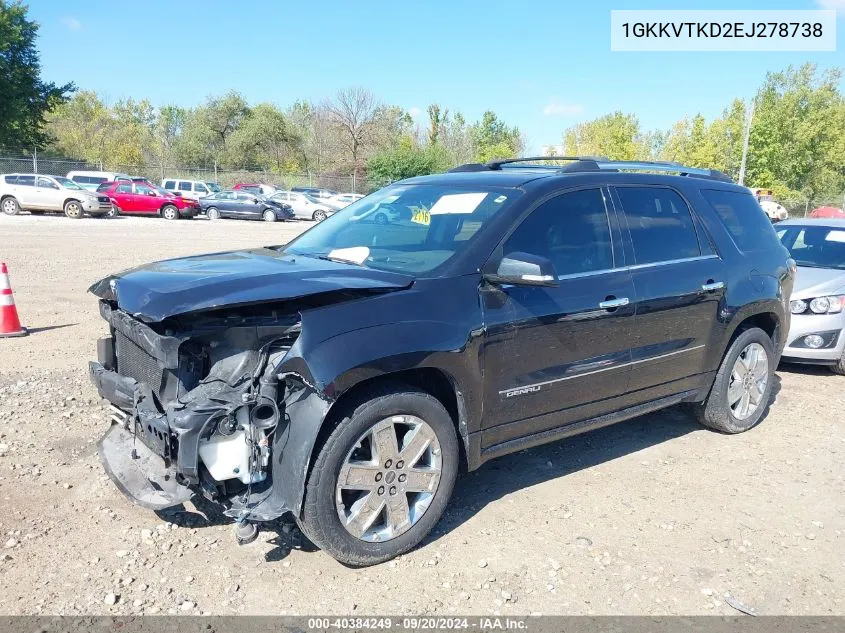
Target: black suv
(347, 376)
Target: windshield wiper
(339, 260)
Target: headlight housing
(819, 305)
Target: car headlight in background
(820, 305)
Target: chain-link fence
(157, 173)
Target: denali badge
(510, 393)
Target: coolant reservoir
(227, 457)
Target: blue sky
(541, 65)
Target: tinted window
(571, 230)
(170, 184)
(98, 179)
(104, 187)
(184, 185)
(28, 181)
(11, 180)
(660, 224)
(747, 223)
(124, 188)
(200, 188)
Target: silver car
(817, 332)
(38, 194)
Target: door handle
(710, 286)
(612, 304)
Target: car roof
(837, 223)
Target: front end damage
(203, 403)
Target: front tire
(740, 394)
(212, 213)
(839, 367)
(73, 209)
(10, 206)
(383, 477)
(169, 212)
(269, 216)
(319, 215)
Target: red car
(139, 198)
(827, 212)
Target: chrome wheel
(73, 210)
(10, 206)
(749, 377)
(269, 216)
(319, 216)
(389, 478)
(170, 213)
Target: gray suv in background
(39, 194)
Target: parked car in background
(817, 332)
(37, 194)
(135, 198)
(257, 187)
(92, 179)
(194, 189)
(342, 200)
(304, 206)
(316, 192)
(774, 210)
(827, 212)
(244, 205)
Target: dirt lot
(652, 516)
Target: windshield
(404, 228)
(66, 182)
(162, 192)
(312, 198)
(815, 246)
(213, 186)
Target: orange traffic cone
(10, 325)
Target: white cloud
(72, 23)
(558, 107)
(415, 113)
(835, 5)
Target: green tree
(616, 136)
(493, 139)
(83, 128)
(25, 99)
(406, 161)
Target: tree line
(353, 132)
(796, 146)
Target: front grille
(134, 362)
(103, 199)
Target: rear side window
(170, 185)
(26, 181)
(660, 224)
(11, 180)
(747, 223)
(184, 185)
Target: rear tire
(113, 212)
(419, 423)
(269, 216)
(10, 206)
(319, 216)
(839, 367)
(169, 212)
(212, 213)
(73, 209)
(730, 407)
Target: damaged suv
(347, 376)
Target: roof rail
(579, 164)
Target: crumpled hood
(177, 286)
(818, 282)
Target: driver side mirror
(524, 269)
(152, 193)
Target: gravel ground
(652, 516)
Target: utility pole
(748, 118)
(34, 160)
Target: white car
(194, 189)
(90, 180)
(342, 200)
(37, 194)
(775, 211)
(304, 206)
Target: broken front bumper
(136, 451)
